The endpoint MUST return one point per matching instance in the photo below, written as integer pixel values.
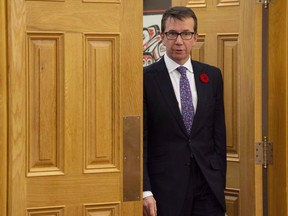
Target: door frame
(3, 109)
(277, 106)
(258, 171)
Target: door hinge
(264, 152)
(264, 2)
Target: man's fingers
(149, 206)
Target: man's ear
(196, 37)
(162, 35)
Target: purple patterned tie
(187, 108)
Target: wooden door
(230, 38)
(75, 77)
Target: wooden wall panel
(197, 3)
(47, 0)
(102, 1)
(45, 97)
(198, 51)
(51, 211)
(101, 143)
(228, 3)
(232, 202)
(111, 209)
(228, 63)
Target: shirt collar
(172, 65)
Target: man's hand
(149, 206)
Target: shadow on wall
(153, 48)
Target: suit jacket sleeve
(219, 124)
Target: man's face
(179, 50)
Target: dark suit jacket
(167, 145)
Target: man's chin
(180, 59)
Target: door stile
(132, 106)
(16, 20)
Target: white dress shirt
(175, 79)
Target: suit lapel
(164, 82)
(201, 95)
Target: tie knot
(182, 70)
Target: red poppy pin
(204, 78)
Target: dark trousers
(200, 201)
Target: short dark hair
(179, 13)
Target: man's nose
(179, 40)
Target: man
(184, 127)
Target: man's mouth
(178, 50)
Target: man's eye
(173, 33)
